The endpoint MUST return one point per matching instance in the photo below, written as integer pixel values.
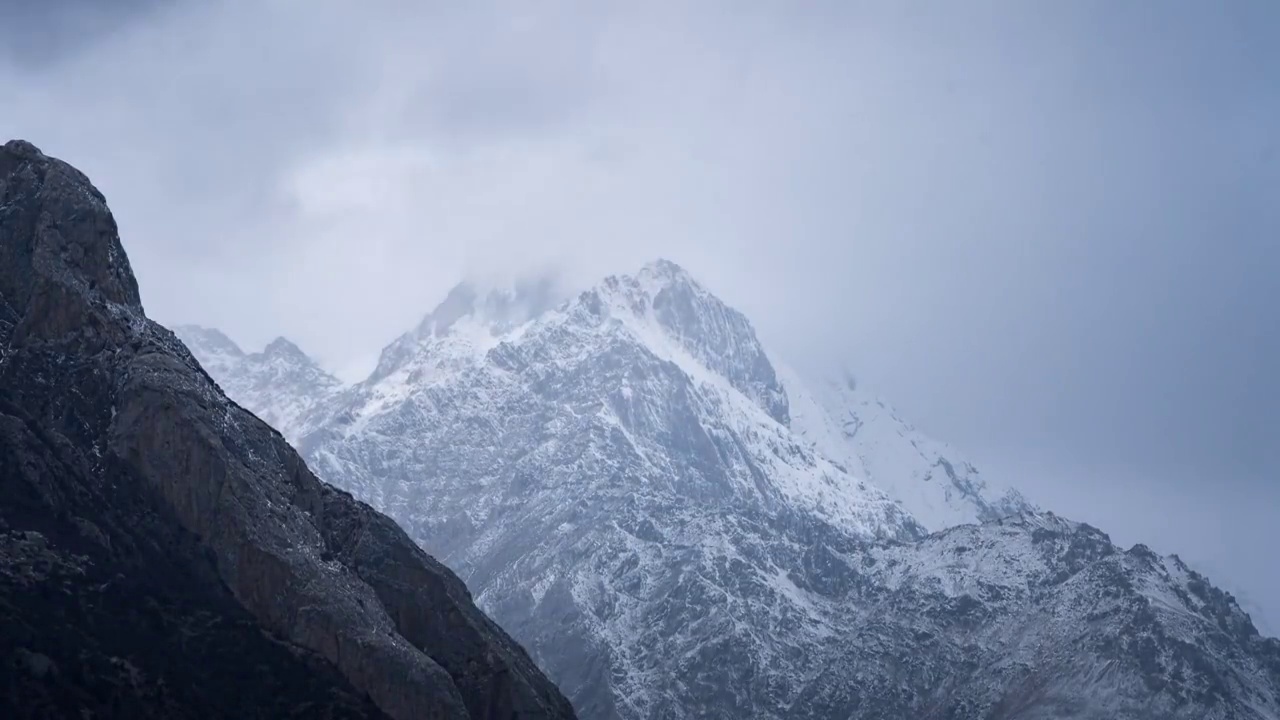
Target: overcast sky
(1049, 232)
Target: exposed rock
(167, 554)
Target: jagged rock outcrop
(164, 553)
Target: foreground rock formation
(164, 553)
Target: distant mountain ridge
(281, 384)
(679, 526)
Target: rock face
(679, 527)
(164, 553)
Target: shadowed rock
(164, 553)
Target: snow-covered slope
(1035, 617)
(281, 384)
(641, 354)
(854, 427)
(678, 527)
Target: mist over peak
(500, 305)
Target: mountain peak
(458, 303)
(654, 277)
(207, 340)
(498, 307)
(282, 347)
(60, 255)
(473, 315)
(721, 338)
(665, 269)
(281, 384)
(22, 151)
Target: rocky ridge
(163, 552)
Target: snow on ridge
(805, 478)
(863, 433)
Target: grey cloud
(33, 34)
(1047, 231)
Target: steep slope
(605, 474)
(629, 471)
(857, 429)
(164, 553)
(281, 384)
(94, 621)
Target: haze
(1046, 231)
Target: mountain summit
(282, 384)
(679, 526)
(164, 553)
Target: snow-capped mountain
(677, 526)
(281, 384)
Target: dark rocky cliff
(164, 553)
